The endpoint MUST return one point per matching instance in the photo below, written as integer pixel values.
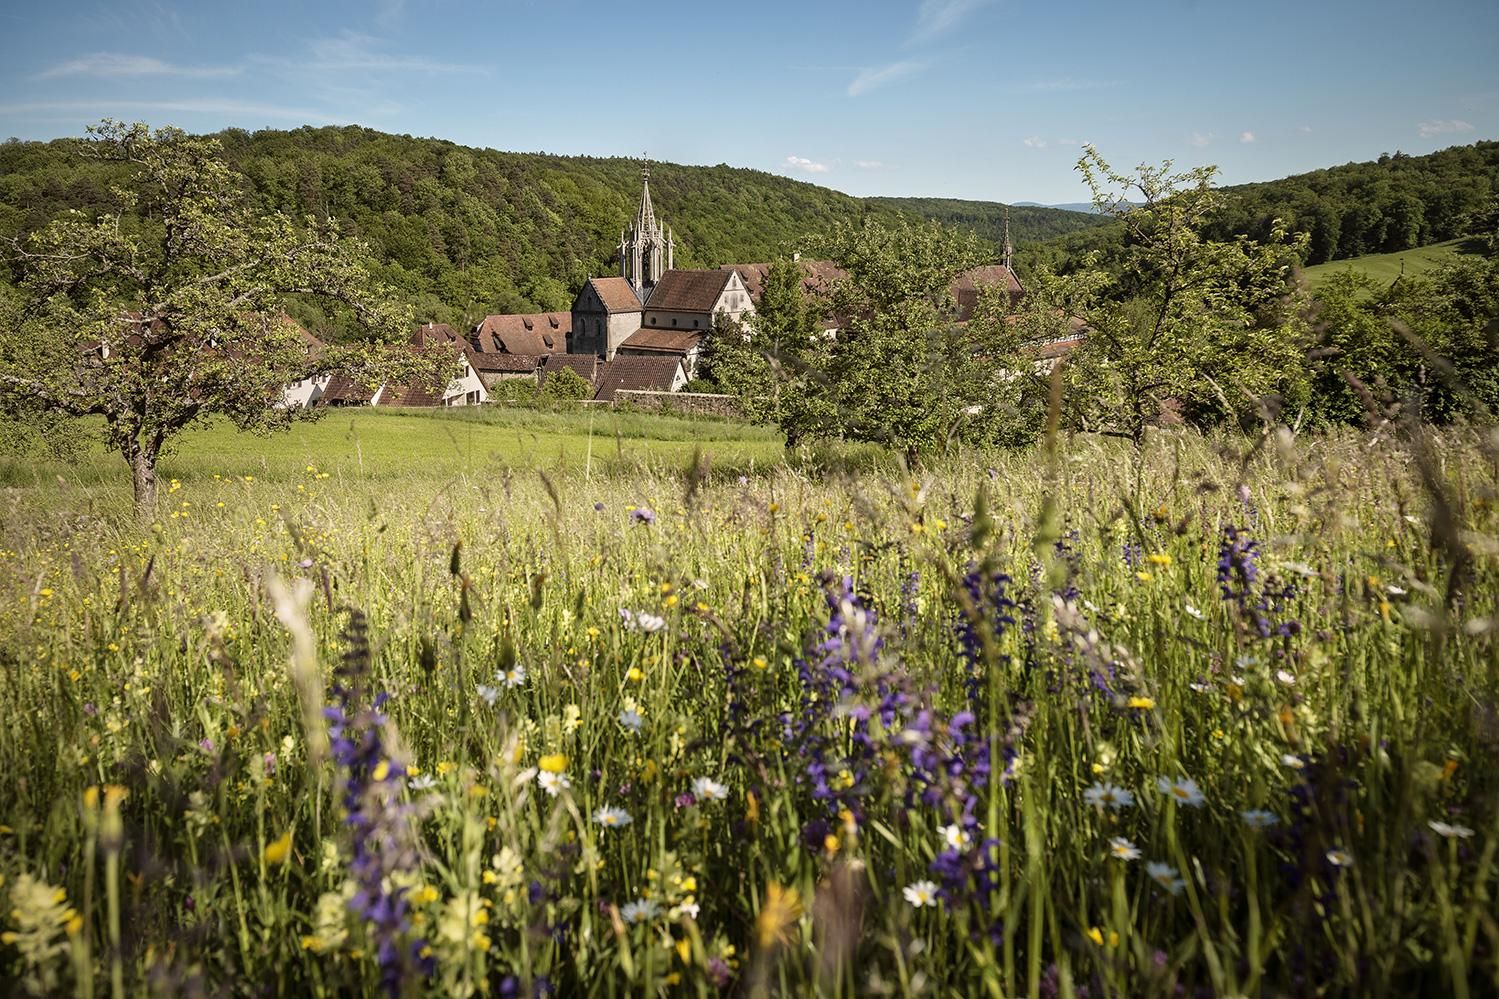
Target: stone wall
(690, 403)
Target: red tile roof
(817, 276)
(585, 365)
(688, 291)
(665, 341)
(966, 287)
(616, 294)
(649, 374)
(534, 333)
(344, 391)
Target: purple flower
(643, 515)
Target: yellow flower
(553, 763)
(1159, 558)
(1144, 703)
(1144, 577)
(635, 675)
(278, 850)
(759, 662)
(778, 913)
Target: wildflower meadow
(1218, 717)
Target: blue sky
(981, 99)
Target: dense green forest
(463, 232)
(1028, 223)
(1394, 203)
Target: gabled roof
(505, 363)
(411, 396)
(584, 365)
(663, 341)
(966, 287)
(532, 333)
(616, 293)
(344, 390)
(817, 276)
(647, 374)
(688, 291)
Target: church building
(653, 308)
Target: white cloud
(1036, 142)
(354, 51)
(870, 165)
(806, 165)
(937, 17)
(1246, 137)
(1442, 127)
(869, 79)
(121, 64)
(1304, 129)
(1200, 139)
(210, 105)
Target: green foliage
(565, 385)
(1391, 204)
(461, 232)
(1427, 345)
(1191, 321)
(986, 219)
(763, 360)
(167, 309)
(900, 371)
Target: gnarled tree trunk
(143, 479)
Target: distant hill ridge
(464, 232)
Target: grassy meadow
(1385, 268)
(376, 706)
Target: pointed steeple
(1009, 249)
(644, 243)
(645, 218)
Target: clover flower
(921, 894)
(1184, 791)
(1122, 849)
(1107, 795)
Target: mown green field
(1218, 718)
(1384, 268)
(359, 445)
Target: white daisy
(1165, 876)
(956, 837)
(1122, 849)
(1183, 792)
(708, 789)
(553, 783)
(1106, 795)
(1450, 831)
(921, 894)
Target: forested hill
(1394, 203)
(462, 232)
(987, 218)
